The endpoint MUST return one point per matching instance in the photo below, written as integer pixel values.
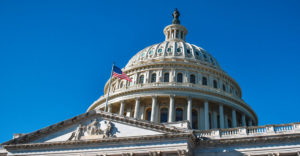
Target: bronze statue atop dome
(176, 15)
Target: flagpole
(112, 68)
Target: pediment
(95, 125)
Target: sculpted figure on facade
(107, 130)
(93, 128)
(78, 133)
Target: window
(197, 53)
(224, 87)
(163, 115)
(121, 85)
(205, 57)
(212, 61)
(179, 114)
(143, 54)
(159, 50)
(153, 77)
(204, 81)
(179, 77)
(148, 114)
(151, 52)
(192, 79)
(188, 51)
(166, 77)
(141, 80)
(169, 50)
(215, 84)
(194, 119)
(178, 50)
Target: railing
(292, 128)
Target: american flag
(117, 72)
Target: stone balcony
(253, 131)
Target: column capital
(189, 98)
(172, 95)
(138, 98)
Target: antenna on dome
(176, 15)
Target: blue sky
(55, 56)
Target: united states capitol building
(180, 102)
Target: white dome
(175, 51)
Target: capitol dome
(174, 81)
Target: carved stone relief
(93, 130)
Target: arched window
(215, 84)
(148, 114)
(224, 87)
(153, 77)
(179, 77)
(192, 79)
(179, 114)
(166, 77)
(141, 80)
(204, 81)
(163, 115)
(194, 119)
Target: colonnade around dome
(202, 114)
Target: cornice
(177, 136)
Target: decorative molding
(105, 141)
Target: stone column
(233, 119)
(109, 108)
(244, 120)
(136, 108)
(225, 121)
(189, 110)
(122, 108)
(215, 119)
(153, 110)
(171, 110)
(201, 118)
(206, 116)
(221, 113)
(250, 122)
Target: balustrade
(250, 131)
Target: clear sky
(55, 56)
